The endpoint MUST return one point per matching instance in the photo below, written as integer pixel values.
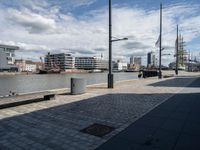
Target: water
(35, 83)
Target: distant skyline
(80, 27)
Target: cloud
(84, 51)
(100, 49)
(34, 23)
(36, 27)
(135, 45)
(77, 3)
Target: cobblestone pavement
(173, 125)
(56, 124)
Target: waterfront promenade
(144, 106)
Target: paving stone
(173, 125)
(56, 124)
(120, 144)
(188, 142)
(176, 130)
(137, 133)
(192, 128)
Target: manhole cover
(98, 130)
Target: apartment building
(7, 57)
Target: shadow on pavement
(59, 127)
(178, 82)
(173, 125)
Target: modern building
(151, 60)
(90, 63)
(120, 66)
(26, 65)
(135, 63)
(7, 57)
(60, 61)
(138, 61)
(131, 60)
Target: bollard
(78, 86)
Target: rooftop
(9, 46)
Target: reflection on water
(33, 83)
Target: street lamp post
(110, 75)
(160, 73)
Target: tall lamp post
(110, 75)
(160, 73)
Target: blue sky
(80, 27)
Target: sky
(80, 27)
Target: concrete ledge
(168, 76)
(17, 103)
(13, 101)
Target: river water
(35, 83)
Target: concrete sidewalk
(57, 124)
(173, 125)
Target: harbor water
(36, 83)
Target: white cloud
(42, 27)
(81, 2)
(34, 23)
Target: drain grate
(98, 130)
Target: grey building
(90, 63)
(151, 59)
(131, 60)
(7, 57)
(138, 61)
(60, 61)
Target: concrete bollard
(78, 86)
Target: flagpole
(160, 73)
(177, 52)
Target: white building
(119, 66)
(7, 57)
(39, 65)
(30, 66)
(25, 65)
(90, 63)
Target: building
(60, 61)
(21, 64)
(131, 60)
(138, 61)
(7, 57)
(39, 65)
(90, 63)
(30, 66)
(119, 66)
(151, 60)
(26, 65)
